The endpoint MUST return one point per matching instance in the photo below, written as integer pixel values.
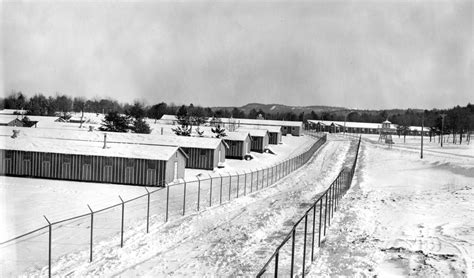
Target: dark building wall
(259, 143)
(84, 167)
(274, 138)
(238, 149)
(200, 158)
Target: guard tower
(386, 133)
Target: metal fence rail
(296, 251)
(39, 249)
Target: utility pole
(422, 130)
(442, 127)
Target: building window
(151, 164)
(67, 158)
(8, 154)
(130, 162)
(108, 161)
(47, 157)
(87, 160)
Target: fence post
(257, 178)
(312, 237)
(251, 181)
(325, 210)
(238, 183)
(123, 216)
(184, 198)
(230, 184)
(147, 211)
(245, 182)
(199, 192)
(268, 175)
(167, 202)
(210, 192)
(220, 192)
(92, 233)
(304, 246)
(320, 220)
(50, 229)
(293, 236)
(276, 262)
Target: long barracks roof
(348, 124)
(247, 121)
(117, 137)
(93, 148)
(262, 122)
(254, 132)
(270, 128)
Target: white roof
(133, 138)
(270, 128)
(236, 136)
(6, 118)
(168, 117)
(418, 128)
(247, 121)
(12, 111)
(348, 124)
(93, 148)
(262, 122)
(254, 132)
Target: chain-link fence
(296, 251)
(40, 249)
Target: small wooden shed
(90, 161)
(274, 133)
(239, 144)
(260, 138)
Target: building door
(66, 171)
(150, 177)
(86, 172)
(108, 173)
(129, 175)
(46, 169)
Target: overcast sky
(357, 54)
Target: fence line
(325, 205)
(77, 233)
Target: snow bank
(403, 216)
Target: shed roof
(236, 136)
(93, 148)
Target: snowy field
(26, 200)
(404, 216)
(230, 240)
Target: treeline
(457, 120)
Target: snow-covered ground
(59, 199)
(291, 146)
(229, 240)
(404, 216)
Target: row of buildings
(126, 158)
(361, 127)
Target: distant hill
(280, 108)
